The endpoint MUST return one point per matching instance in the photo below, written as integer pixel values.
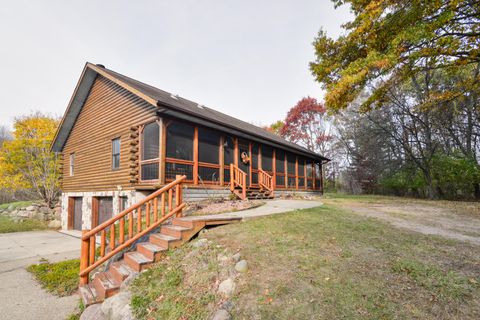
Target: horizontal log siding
(108, 113)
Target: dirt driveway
(21, 297)
(453, 220)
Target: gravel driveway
(21, 297)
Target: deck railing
(238, 178)
(265, 180)
(128, 226)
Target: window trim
(114, 154)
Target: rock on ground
(236, 257)
(221, 315)
(241, 266)
(118, 307)
(93, 312)
(226, 287)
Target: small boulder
(93, 312)
(200, 243)
(10, 207)
(31, 208)
(236, 257)
(241, 266)
(54, 224)
(24, 214)
(226, 287)
(117, 307)
(221, 315)
(45, 210)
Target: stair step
(137, 261)
(88, 294)
(120, 270)
(174, 231)
(182, 222)
(105, 285)
(151, 250)
(165, 241)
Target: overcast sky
(248, 59)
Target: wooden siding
(109, 112)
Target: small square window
(116, 153)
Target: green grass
(16, 205)
(7, 225)
(59, 278)
(179, 287)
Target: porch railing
(128, 226)
(265, 180)
(238, 178)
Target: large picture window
(150, 153)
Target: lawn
(7, 224)
(321, 263)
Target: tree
(389, 42)
(27, 162)
(275, 127)
(306, 123)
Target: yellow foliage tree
(26, 161)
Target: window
(116, 153)
(280, 168)
(150, 151)
(301, 173)
(180, 141)
(292, 179)
(72, 163)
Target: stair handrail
(88, 248)
(265, 180)
(238, 178)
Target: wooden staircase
(238, 185)
(106, 284)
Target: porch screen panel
(180, 141)
(254, 156)
(267, 156)
(301, 173)
(318, 173)
(309, 177)
(179, 150)
(292, 182)
(208, 155)
(228, 156)
(280, 168)
(150, 153)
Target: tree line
(402, 99)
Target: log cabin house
(121, 139)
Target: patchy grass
(78, 312)
(326, 263)
(59, 278)
(7, 225)
(179, 287)
(16, 205)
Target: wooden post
(296, 173)
(232, 186)
(244, 187)
(178, 196)
(195, 156)
(221, 161)
(84, 258)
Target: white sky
(248, 59)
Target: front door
(244, 158)
(75, 213)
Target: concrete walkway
(270, 207)
(21, 297)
